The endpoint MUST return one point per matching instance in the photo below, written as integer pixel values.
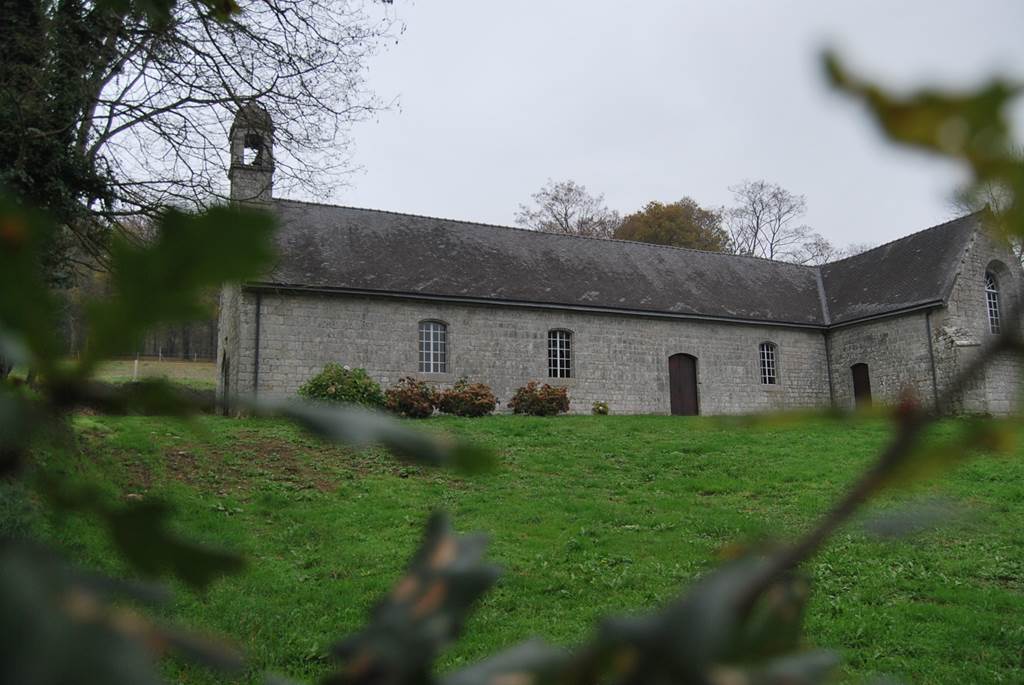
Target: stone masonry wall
(896, 352)
(624, 359)
(964, 327)
(619, 359)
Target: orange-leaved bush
(536, 399)
(412, 398)
(467, 399)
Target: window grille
(433, 347)
(559, 354)
(992, 298)
(769, 368)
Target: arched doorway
(861, 385)
(682, 384)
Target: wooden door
(861, 385)
(225, 387)
(682, 383)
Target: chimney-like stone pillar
(252, 155)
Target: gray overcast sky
(656, 100)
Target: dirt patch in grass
(252, 462)
(242, 461)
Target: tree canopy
(116, 108)
(765, 221)
(566, 207)
(681, 224)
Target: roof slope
(348, 249)
(345, 248)
(912, 271)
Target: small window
(769, 368)
(433, 347)
(559, 354)
(992, 298)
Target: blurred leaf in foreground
(163, 282)
(141, 531)
(527, 663)
(28, 310)
(424, 612)
(913, 519)
(351, 425)
(970, 126)
(59, 627)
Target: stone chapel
(646, 328)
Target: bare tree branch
(566, 207)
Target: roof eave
(624, 311)
(908, 309)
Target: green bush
(412, 398)
(467, 399)
(599, 409)
(540, 400)
(337, 383)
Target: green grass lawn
(197, 375)
(588, 516)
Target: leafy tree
(741, 622)
(115, 108)
(681, 224)
(566, 207)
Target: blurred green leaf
(162, 282)
(16, 423)
(683, 641)
(141, 531)
(359, 427)
(28, 310)
(972, 127)
(928, 459)
(424, 612)
(527, 663)
(58, 629)
(809, 668)
(969, 125)
(53, 633)
(774, 625)
(150, 396)
(912, 519)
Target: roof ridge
(905, 237)
(558, 235)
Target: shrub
(467, 399)
(599, 409)
(337, 383)
(540, 400)
(412, 398)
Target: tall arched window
(433, 347)
(766, 353)
(559, 354)
(992, 299)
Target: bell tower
(252, 155)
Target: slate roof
(346, 249)
(913, 271)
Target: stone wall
(965, 330)
(619, 359)
(896, 352)
(622, 359)
(896, 349)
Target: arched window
(433, 347)
(559, 354)
(992, 298)
(769, 368)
